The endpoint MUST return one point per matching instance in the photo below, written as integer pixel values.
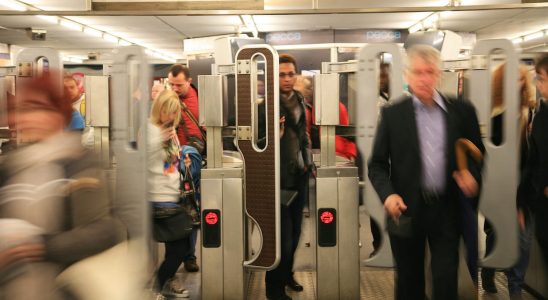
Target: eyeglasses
(290, 75)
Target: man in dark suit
(413, 170)
(536, 171)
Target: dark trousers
(541, 227)
(469, 228)
(438, 224)
(175, 252)
(191, 253)
(291, 220)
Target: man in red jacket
(188, 133)
(179, 80)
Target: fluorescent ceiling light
(93, 32)
(14, 5)
(110, 38)
(517, 40)
(71, 25)
(533, 36)
(51, 19)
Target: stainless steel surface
(327, 144)
(210, 89)
(449, 84)
(243, 66)
(326, 99)
(130, 201)
(350, 66)
(222, 271)
(338, 267)
(97, 101)
(367, 124)
(498, 195)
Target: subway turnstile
(222, 204)
(368, 95)
(498, 195)
(337, 226)
(240, 186)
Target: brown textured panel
(259, 167)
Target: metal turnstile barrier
(239, 186)
(223, 250)
(368, 95)
(337, 224)
(261, 163)
(500, 181)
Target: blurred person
(188, 133)
(412, 168)
(50, 182)
(72, 91)
(516, 274)
(295, 165)
(536, 170)
(164, 182)
(156, 89)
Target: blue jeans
(516, 274)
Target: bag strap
(193, 119)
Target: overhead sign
(299, 37)
(371, 36)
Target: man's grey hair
(426, 52)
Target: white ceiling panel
(527, 22)
(198, 26)
(471, 21)
(60, 5)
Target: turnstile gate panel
(368, 94)
(261, 166)
(498, 195)
(130, 73)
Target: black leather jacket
(295, 152)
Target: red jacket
(343, 147)
(191, 101)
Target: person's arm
(92, 228)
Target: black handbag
(188, 196)
(171, 223)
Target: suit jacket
(536, 170)
(395, 163)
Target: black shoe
(488, 280)
(294, 285)
(191, 266)
(373, 253)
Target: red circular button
(211, 218)
(326, 217)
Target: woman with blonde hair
(164, 183)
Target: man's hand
(394, 206)
(28, 252)
(521, 219)
(466, 182)
(282, 126)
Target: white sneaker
(173, 289)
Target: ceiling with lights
(79, 27)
